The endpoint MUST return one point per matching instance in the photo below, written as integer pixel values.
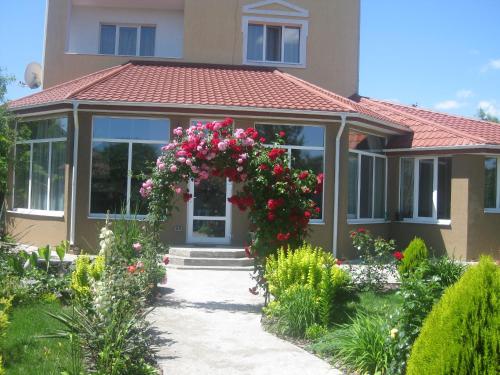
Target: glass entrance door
(209, 212)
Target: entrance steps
(209, 258)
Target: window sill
(367, 221)
(442, 222)
(20, 211)
(317, 222)
(127, 56)
(116, 217)
(492, 210)
(275, 63)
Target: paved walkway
(209, 324)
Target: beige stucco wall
(213, 34)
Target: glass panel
(255, 42)
(379, 203)
(58, 163)
(210, 198)
(365, 142)
(366, 193)
(444, 188)
(43, 129)
(131, 128)
(406, 187)
(490, 183)
(310, 160)
(148, 36)
(40, 176)
(22, 176)
(108, 40)
(292, 44)
(352, 198)
(425, 187)
(143, 158)
(127, 44)
(109, 177)
(294, 135)
(209, 228)
(273, 43)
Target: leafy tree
(483, 115)
(6, 134)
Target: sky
(443, 55)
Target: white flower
(394, 333)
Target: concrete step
(207, 252)
(210, 262)
(210, 268)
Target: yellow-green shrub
(5, 305)
(461, 335)
(85, 272)
(414, 255)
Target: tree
(485, 116)
(6, 135)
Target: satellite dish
(33, 75)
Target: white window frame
(130, 143)
(372, 220)
(496, 210)
(283, 22)
(416, 179)
(118, 26)
(31, 142)
(289, 149)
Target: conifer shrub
(414, 255)
(461, 335)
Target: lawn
(23, 352)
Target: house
(119, 77)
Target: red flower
(398, 255)
(303, 175)
(275, 153)
(361, 230)
(131, 269)
(339, 262)
(282, 134)
(262, 140)
(271, 216)
(274, 204)
(186, 197)
(278, 170)
(317, 210)
(307, 214)
(283, 236)
(263, 167)
(248, 252)
(166, 260)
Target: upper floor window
(40, 166)
(274, 41)
(127, 40)
(491, 184)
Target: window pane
(406, 187)
(210, 197)
(148, 35)
(310, 160)
(109, 177)
(131, 128)
(379, 189)
(365, 142)
(352, 199)
(143, 158)
(40, 176)
(43, 129)
(255, 42)
(108, 39)
(292, 44)
(273, 43)
(294, 135)
(425, 187)
(209, 228)
(366, 187)
(490, 183)
(127, 43)
(22, 176)
(58, 163)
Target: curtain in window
(255, 42)
(292, 44)
(490, 183)
(425, 187)
(127, 43)
(273, 43)
(108, 39)
(379, 193)
(352, 198)
(366, 194)
(39, 176)
(58, 163)
(148, 35)
(22, 176)
(142, 155)
(406, 188)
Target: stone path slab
(208, 323)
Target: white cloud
(448, 104)
(464, 94)
(493, 64)
(490, 107)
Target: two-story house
(120, 75)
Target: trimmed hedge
(462, 332)
(414, 255)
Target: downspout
(337, 182)
(74, 173)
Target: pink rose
(173, 168)
(137, 246)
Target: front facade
(118, 79)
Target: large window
(425, 188)
(127, 40)
(491, 184)
(275, 42)
(123, 149)
(40, 166)
(306, 148)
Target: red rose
(361, 230)
(275, 153)
(248, 252)
(303, 175)
(166, 260)
(317, 210)
(272, 204)
(339, 262)
(263, 167)
(283, 236)
(131, 269)
(278, 170)
(282, 134)
(186, 197)
(307, 214)
(271, 216)
(398, 255)
(262, 140)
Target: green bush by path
(414, 255)
(461, 335)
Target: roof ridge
(415, 117)
(114, 71)
(314, 88)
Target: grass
(23, 352)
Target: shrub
(5, 305)
(461, 334)
(315, 331)
(415, 253)
(85, 273)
